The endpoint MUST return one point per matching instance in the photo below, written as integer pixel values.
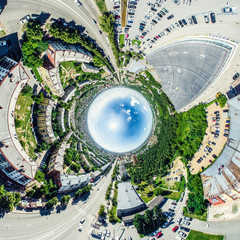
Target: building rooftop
(73, 180)
(224, 173)
(10, 88)
(188, 66)
(127, 196)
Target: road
(66, 9)
(64, 225)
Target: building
(60, 52)
(69, 93)
(15, 165)
(129, 201)
(221, 181)
(60, 118)
(70, 183)
(89, 68)
(105, 167)
(44, 121)
(95, 175)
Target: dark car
(213, 18)
(235, 76)
(216, 103)
(170, 17)
(154, 21)
(185, 229)
(213, 143)
(116, 7)
(214, 156)
(160, 15)
(184, 21)
(194, 19)
(131, 13)
(216, 112)
(132, 6)
(181, 24)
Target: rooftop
(187, 67)
(10, 88)
(127, 196)
(224, 173)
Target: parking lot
(214, 139)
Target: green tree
(101, 212)
(148, 217)
(65, 199)
(138, 222)
(222, 99)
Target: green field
(35, 71)
(23, 123)
(195, 235)
(202, 217)
(101, 5)
(121, 39)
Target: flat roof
(224, 173)
(10, 89)
(127, 196)
(188, 66)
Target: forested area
(33, 45)
(151, 220)
(8, 200)
(190, 131)
(196, 203)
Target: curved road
(66, 9)
(64, 225)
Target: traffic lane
(11, 16)
(12, 225)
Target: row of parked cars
(212, 17)
(181, 23)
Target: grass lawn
(146, 192)
(121, 39)
(24, 132)
(35, 71)
(101, 5)
(199, 217)
(195, 235)
(136, 41)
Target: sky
(120, 119)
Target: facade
(129, 201)
(44, 121)
(65, 183)
(69, 93)
(60, 52)
(60, 118)
(15, 164)
(89, 68)
(221, 181)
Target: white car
(78, 3)
(24, 19)
(80, 228)
(229, 9)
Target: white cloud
(133, 101)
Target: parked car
(235, 76)
(181, 24)
(82, 220)
(206, 18)
(227, 121)
(213, 18)
(187, 218)
(225, 135)
(182, 234)
(179, 220)
(185, 229)
(159, 234)
(184, 21)
(186, 223)
(226, 125)
(194, 19)
(175, 229)
(229, 9)
(170, 17)
(79, 4)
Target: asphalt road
(66, 9)
(63, 225)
